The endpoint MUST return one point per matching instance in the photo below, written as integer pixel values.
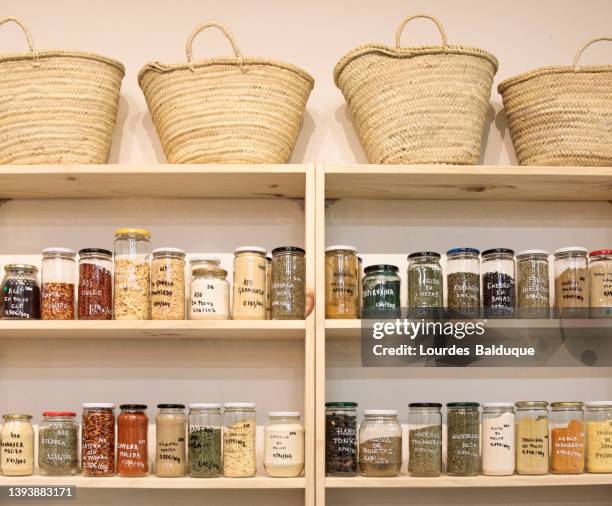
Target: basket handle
(202, 27)
(398, 34)
(26, 33)
(587, 44)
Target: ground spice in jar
(288, 289)
(95, 300)
(600, 270)
(599, 446)
(532, 284)
(132, 441)
(204, 452)
(567, 448)
(239, 449)
(20, 293)
(58, 450)
(170, 434)
(341, 439)
(572, 282)
(132, 291)
(168, 284)
(463, 439)
(98, 440)
(425, 451)
(532, 437)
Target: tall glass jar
(600, 283)
(58, 284)
(58, 444)
(463, 282)
(498, 285)
(341, 283)
(168, 284)
(532, 284)
(205, 429)
(498, 439)
(249, 291)
(132, 441)
(381, 292)
(209, 295)
(532, 437)
(284, 444)
(599, 434)
(567, 444)
(98, 439)
(239, 428)
(360, 284)
(425, 283)
(95, 301)
(463, 438)
(20, 293)
(572, 282)
(268, 287)
(17, 445)
(341, 438)
(380, 443)
(424, 439)
(170, 433)
(288, 283)
(132, 274)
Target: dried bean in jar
(341, 439)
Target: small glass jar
(532, 437)
(95, 301)
(20, 293)
(58, 444)
(170, 433)
(132, 274)
(341, 438)
(498, 439)
(463, 438)
(204, 444)
(463, 282)
(532, 284)
(567, 444)
(598, 417)
(98, 439)
(425, 283)
(239, 427)
(381, 292)
(424, 439)
(209, 295)
(284, 444)
(600, 283)
(498, 285)
(572, 282)
(168, 284)
(58, 284)
(249, 290)
(203, 262)
(132, 441)
(268, 287)
(17, 446)
(341, 283)
(380, 444)
(288, 283)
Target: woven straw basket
(57, 107)
(561, 115)
(425, 104)
(226, 110)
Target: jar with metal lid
(58, 444)
(498, 439)
(567, 443)
(268, 287)
(424, 439)
(341, 438)
(17, 445)
(284, 444)
(132, 441)
(239, 428)
(288, 283)
(58, 284)
(170, 433)
(381, 292)
(209, 295)
(203, 262)
(95, 301)
(532, 284)
(249, 290)
(463, 282)
(572, 282)
(463, 438)
(380, 443)
(498, 285)
(98, 439)
(341, 283)
(600, 283)
(168, 284)
(425, 283)
(598, 416)
(205, 440)
(532, 443)
(132, 274)
(20, 293)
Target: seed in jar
(57, 301)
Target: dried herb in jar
(463, 438)
(205, 452)
(425, 451)
(288, 289)
(498, 294)
(58, 448)
(464, 293)
(533, 292)
(425, 285)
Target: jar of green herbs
(58, 448)
(204, 441)
(532, 284)
(463, 438)
(381, 292)
(425, 283)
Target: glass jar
(132, 441)
(498, 443)
(168, 284)
(381, 292)
(380, 444)
(249, 293)
(463, 282)
(58, 444)
(284, 444)
(425, 283)
(341, 282)
(424, 439)
(132, 274)
(572, 282)
(17, 446)
(567, 445)
(95, 284)
(463, 438)
(288, 283)
(20, 293)
(205, 429)
(599, 434)
(600, 283)
(268, 287)
(209, 295)
(341, 438)
(98, 439)
(532, 284)
(58, 284)
(532, 437)
(239, 427)
(498, 286)
(360, 284)
(203, 262)
(170, 432)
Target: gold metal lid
(133, 231)
(17, 417)
(576, 405)
(217, 272)
(20, 267)
(532, 404)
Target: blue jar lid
(457, 251)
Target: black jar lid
(498, 251)
(381, 267)
(288, 249)
(100, 251)
(419, 254)
(462, 405)
(171, 406)
(341, 404)
(133, 407)
(424, 405)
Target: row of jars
(151, 285)
(506, 438)
(494, 283)
(205, 443)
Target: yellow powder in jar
(599, 447)
(532, 445)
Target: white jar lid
(247, 405)
(596, 404)
(169, 250)
(65, 251)
(568, 249)
(380, 412)
(532, 252)
(255, 249)
(205, 405)
(498, 405)
(338, 247)
(100, 405)
(284, 414)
